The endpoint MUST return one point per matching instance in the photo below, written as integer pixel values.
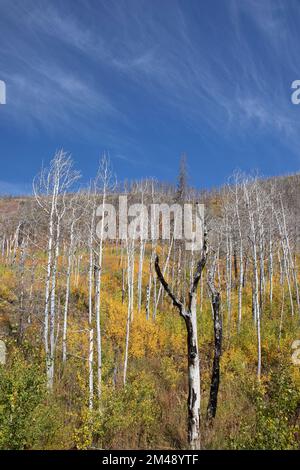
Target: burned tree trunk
(190, 317)
(215, 376)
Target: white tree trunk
(65, 323)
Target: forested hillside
(96, 330)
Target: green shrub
(129, 415)
(26, 419)
(275, 425)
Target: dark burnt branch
(200, 267)
(165, 285)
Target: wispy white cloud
(44, 89)
(232, 79)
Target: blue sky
(146, 81)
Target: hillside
(97, 350)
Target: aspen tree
(74, 219)
(248, 194)
(190, 317)
(51, 194)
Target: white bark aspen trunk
(270, 270)
(123, 285)
(285, 267)
(127, 336)
(173, 276)
(91, 363)
(3, 247)
(281, 317)
(240, 288)
(255, 279)
(261, 264)
(141, 259)
(132, 282)
(30, 300)
(77, 267)
(15, 243)
(228, 277)
(192, 266)
(50, 371)
(130, 269)
(241, 261)
(65, 322)
(280, 263)
(48, 278)
(51, 189)
(98, 330)
(290, 255)
(257, 308)
(8, 250)
(291, 262)
(90, 317)
(193, 379)
(151, 279)
(140, 274)
(98, 301)
(179, 272)
(201, 296)
(258, 326)
(23, 254)
(154, 298)
(287, 275)
(57, 323)
(148, 291)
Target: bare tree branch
(165, 285)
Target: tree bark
(215, 376)
(190, 317)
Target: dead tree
(189, 315)
(215, 376)
(51, 194)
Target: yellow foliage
(144, 336)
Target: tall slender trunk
(48, 277)
(215, 376)
(228, 278)
(190, 317)
(194, 395)
(130, 274)
(50, 370)
(65, 323)
(256, 303)
(90, 316)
